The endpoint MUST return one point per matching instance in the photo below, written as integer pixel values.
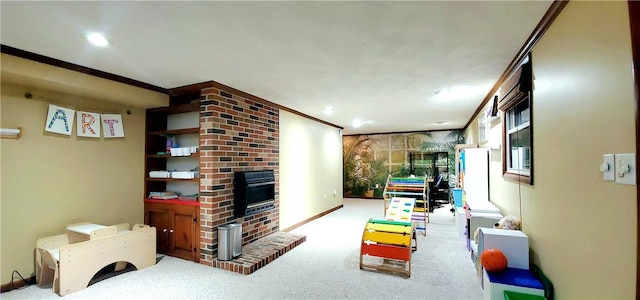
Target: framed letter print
(482, 130)
(112, 125)
(88, 124)
(59, 120)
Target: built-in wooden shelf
(170, 179)
(175, 131)
(195, 155)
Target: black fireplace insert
(254, 192)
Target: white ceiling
(381, 62)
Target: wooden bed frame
(69, 261)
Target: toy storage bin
(512, 279)
(160, 174)
(482, 219)
(457, 197)
(513, 243)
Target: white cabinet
(474, 178)
(475, 174)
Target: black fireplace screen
(254, 192)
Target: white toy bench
(69, 261)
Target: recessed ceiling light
(441, 122)
(357, 123)
(329, 110)
(97, 39)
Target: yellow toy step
(389, 228)
(387, 238)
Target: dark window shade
(516, 88)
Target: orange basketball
(493, 260)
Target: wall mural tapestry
(369, 159)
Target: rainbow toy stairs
(387, 244)
(413, 187)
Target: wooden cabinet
(177, 227)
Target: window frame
(514, 92)
(511, 128)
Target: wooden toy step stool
(69, 261)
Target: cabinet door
(158, 216)
(183, 234)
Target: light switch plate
(625, 168)
(607, 167)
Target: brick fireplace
(236, 134)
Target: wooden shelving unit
(157, 156)
(177, 222)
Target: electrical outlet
(625, 168)
(325, 195)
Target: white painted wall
(582, 229)
(310, 168)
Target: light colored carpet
(326, 266)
